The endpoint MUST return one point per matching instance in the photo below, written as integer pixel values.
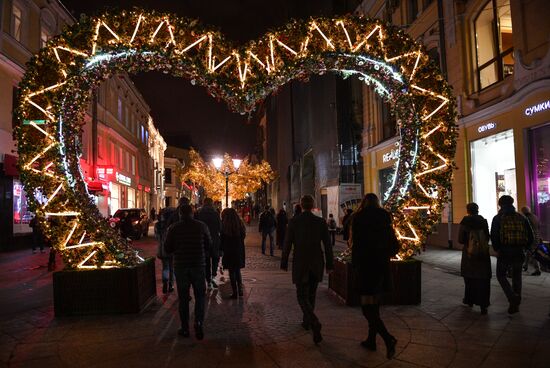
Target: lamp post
(218, 162)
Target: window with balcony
(494, 44)
(16, 21)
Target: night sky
(186, 115)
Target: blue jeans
(167, 269)
(265, 234)
(186, 277)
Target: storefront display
(493, 171)
(540, 174)
(21, 214)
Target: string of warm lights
(247, 179)
(54, 90)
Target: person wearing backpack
(331, 222)
(510, 235)
(475, 266)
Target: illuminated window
(119, 110)
(494, 44)
(16, 22)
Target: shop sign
(123, 179)
(532, 110)
(140, 187)
(104, 171)
(392, 155)
(147, 189)
(486, 127)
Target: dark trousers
(211, 268)
(186, 277)
(265, 234)
(513, 292)
(305, 293)
(332, 237)
(235, 278)
(167, 269)
(37, 241)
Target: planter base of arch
(104, 291)
(407, 283)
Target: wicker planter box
(107, 291)
(407, 286)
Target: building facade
(122, 150)
(500, 71)
(25, 27)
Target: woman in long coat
(232, 245)
(475, 265)
(373, 244)
(282, 222)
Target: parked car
(132, 222)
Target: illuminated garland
(55, 91)
(247, 179)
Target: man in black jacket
(305, 233)
(189, 241)
(211, 218)
(510, 236)
(266, 226)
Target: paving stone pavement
(263, 329)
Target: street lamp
(218, 162)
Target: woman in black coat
(475, 265)
(282, 222)
(373, 244)
(232, 245)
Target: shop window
(494, 44)
(540, 177)
(493, 171)
(16, 21)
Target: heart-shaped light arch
(56, 88)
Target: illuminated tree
(247, 179)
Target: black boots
(376, 326)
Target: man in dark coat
(211, 218)
(305, 234)
(510, 235)
(189, 240)
(266, 226)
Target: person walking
(37, 236)
(475, 266)
(305, 234)
(211, 218)
(346, 224)
(166, 259)
(267, 226)
(297, 210)
(535, 227)
(374, 243)
(233, 233)
(153, 214)
(189, 241)
(331, 223)
(282, 222)
(510, 235)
